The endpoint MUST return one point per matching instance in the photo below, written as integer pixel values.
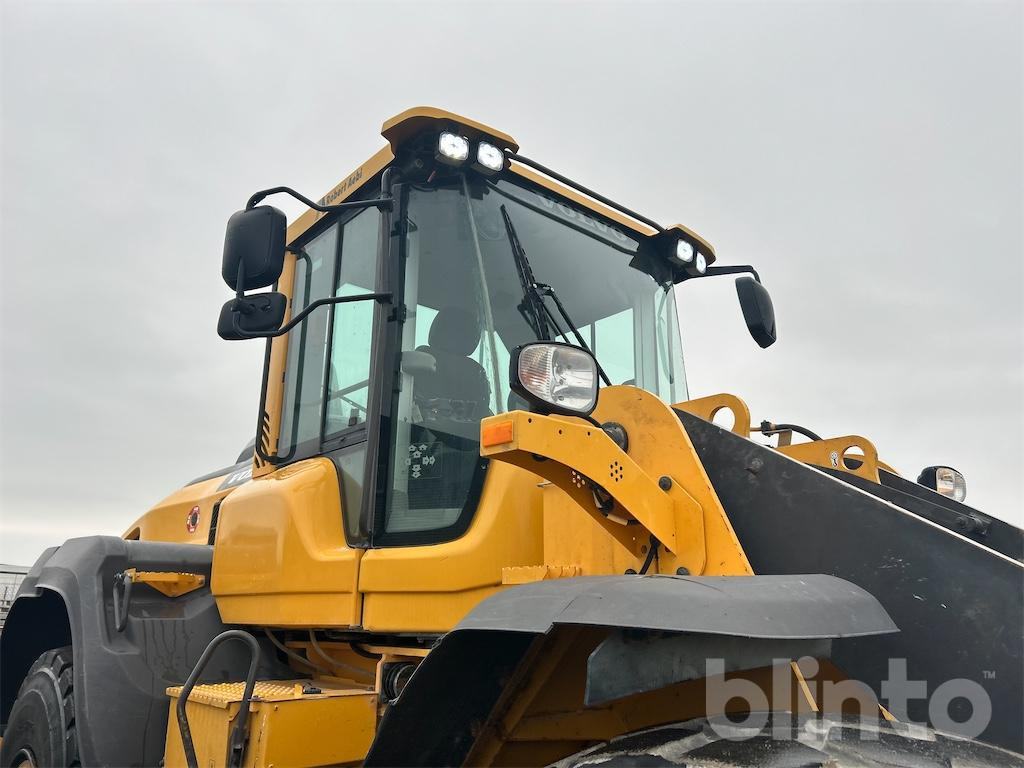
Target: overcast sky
(866, 157)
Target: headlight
(452, 148)
(557, 378)
(489, 158)
(944, 480)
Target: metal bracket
(122, 595)
(170, 583)
(580, 455)
(707, 407)
(833, 452)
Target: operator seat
(445, 434)
(458, 389)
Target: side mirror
(254, 245)
(758, 311)
(258, 313)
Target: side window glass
(672, 380)
(307, 344)
(351, 462)
(352, 332)
(613, 346)
(348, 328)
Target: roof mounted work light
(689, 257)
(684, 252)
(452, 149)
(489, 158)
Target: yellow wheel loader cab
(482, 521)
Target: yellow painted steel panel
(525, 522)
(281, 558)
(412, 121)
(707, 407)
(832, 452)
(169, 519)
(432, 588)
(286, 727)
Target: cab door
(289, 543)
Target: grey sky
(866, 157)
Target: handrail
(239, 734)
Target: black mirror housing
(256, 314)
(758, 311)
(255, 239)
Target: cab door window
(348, 385)
(302, 406)
(328, 369)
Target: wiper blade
(533, 308)
(546, 290)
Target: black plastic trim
(120, 678)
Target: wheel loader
(482, 521)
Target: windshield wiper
(546, 290)
(533, 308)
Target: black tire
(41, 728)
(803, 742)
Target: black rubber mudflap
(436, 718)
(959, 605)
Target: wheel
(805, 742)
(41, 728)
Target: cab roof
(418, 120)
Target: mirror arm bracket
(384, 298)
(384, 202)
(240, 281)
(732, 270)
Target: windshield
(468, 305)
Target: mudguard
(779, 607)
(958, 602)
(119, 677)
(459, 682)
